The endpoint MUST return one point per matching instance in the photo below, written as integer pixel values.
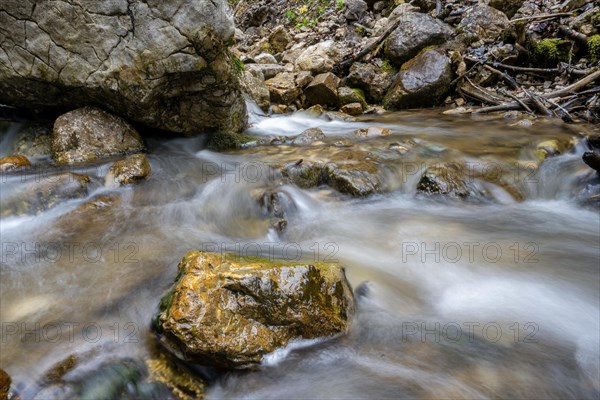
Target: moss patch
(594, 48)
(549, 52)
(220, 141)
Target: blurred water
(463, 300)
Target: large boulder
(415, 32)
(422, 82)
(227, 311)
(89, 134)
(323, 90)
(483, 22)
(162, 63)
(319, 58)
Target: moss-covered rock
(549, 52)
(594, 48)
(220, 141)
(228, 311)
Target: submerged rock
(38, 194)
(357, 181)
(182, 382)
(163, 64)
(132, 169)
(227, 312)
(308, 136)
(548, 148)
(13, 163)
(305, 174)
(89, 134)
(452, 180)
(423, 81)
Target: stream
(455, 299)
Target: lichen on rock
(229, 311)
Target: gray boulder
(355, 10)
(319, 58)
(415, 32)
(162, 63)
(422, 82)
(89, 134)
(483, 22)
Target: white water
(533, 309)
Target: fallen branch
(580, 37)
(542, 71)
(571, 89)
(532, 97)
(503, 107)
(542, 16)
(477, 92)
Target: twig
(566, 116)
(542, 16)
(515, 98)
(503, 107)
(532, 97)
(477, 92)
(579, 72)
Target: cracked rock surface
(162, 63)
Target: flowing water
(455, 299)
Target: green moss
(549, 52)
(238, 65)
(387, 66)
(594, 48)
(220, 141)
(360, 93)
(361, 31)
(595, 19)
